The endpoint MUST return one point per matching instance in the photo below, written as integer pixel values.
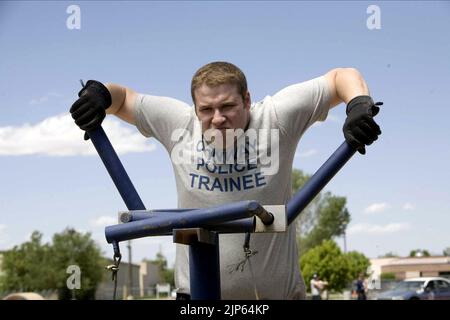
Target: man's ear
(247, 100)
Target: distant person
(361, 288)
(317, 287)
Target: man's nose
(218, 118)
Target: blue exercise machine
(199, 228)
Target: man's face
(222, 107)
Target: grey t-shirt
(202, 182)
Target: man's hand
(89, 110)
(360, 129)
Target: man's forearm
(118, 94)
(349, 84)
(123, 100)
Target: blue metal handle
(164, 223)
(115, 169)
(236, 226)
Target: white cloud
(103, 221)
(59, 136)
(376, 207)
(373, 229)
(408, 206)
(306, 154)
(44, 99)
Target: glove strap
(366, 100)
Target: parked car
(425, 288)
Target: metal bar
(204, 270)
(165, 223)
(120, 178)
(316, 183)
(115, 169)
(129, 216)
(236, 226)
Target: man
(211, 168)
(317, 287)
(361, 287)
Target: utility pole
(130, 270)
(345, 243)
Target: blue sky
(398, 194)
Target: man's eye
(205, 109)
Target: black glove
(359, 128)
(89, 110)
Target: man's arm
(345, 84)
(123, 100)
(95, 100)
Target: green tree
(333, 218)
(324, 218)
(419, 253)
(299, 178)
(73, 248)
(446, 252)
(308, 218)
(358, 264)
(387, 276)
(328, 261)
(332, 265)
(389, 255)
(24, 267)
(34, 266)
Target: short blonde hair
(216, 73)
